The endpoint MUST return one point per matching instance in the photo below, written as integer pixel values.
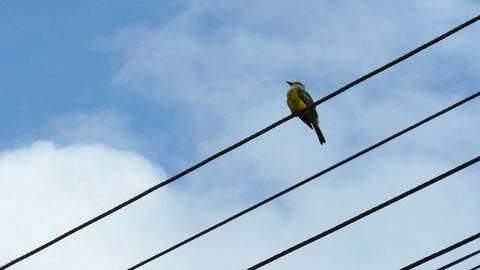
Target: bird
(298, 99)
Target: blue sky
(54, 65)
(102, 99)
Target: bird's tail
(319, 134)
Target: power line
(396, 61)
(475, 268)
(459, 260)
(366, 213)
(301, 183)
(443, 251)
(241, 142)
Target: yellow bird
(298, 99)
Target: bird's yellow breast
(295, 103)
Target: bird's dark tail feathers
(319, 134)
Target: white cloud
(48, 189)
(226, 64)
(105, 127)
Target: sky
(102, 99)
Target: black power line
(301, 183)
(459, 260)
(366, 213)
(241, 142)
(443, 251)
(475, 268)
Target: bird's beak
(290, 83)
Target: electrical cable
(238, 144)
(459, 260)
(367, 213)
(291, 188)
(443, 251)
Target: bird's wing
(305, 120)
(307, 99)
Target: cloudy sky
(101, 99)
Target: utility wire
(459, 260)
(476, 267)
(241, 142)
(368, 212)
(283, 192)
(443, 251)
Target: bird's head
(296, 84)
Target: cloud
(225, 64)
(110, 128)
(105, 127)
(218, 64)
(48, 189)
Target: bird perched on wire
(298, 99)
